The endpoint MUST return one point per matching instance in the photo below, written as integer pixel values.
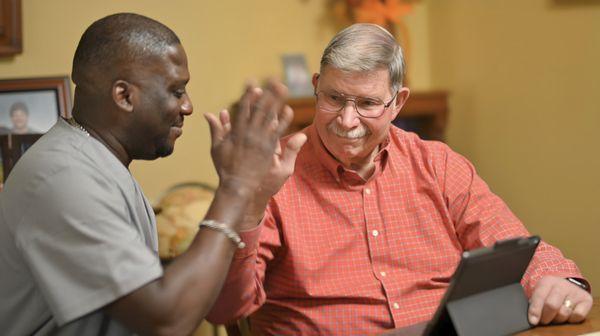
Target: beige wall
(227, 42)
(523, 77)
(525, 83)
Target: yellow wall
(523, 76)
(227, 42)
(525, 83)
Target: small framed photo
(29, 107)
(33, 105)
(297, 76)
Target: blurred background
(523, 83)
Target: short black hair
(122, 37)
(18, 106)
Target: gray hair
(366, 47)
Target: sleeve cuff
(251, 238)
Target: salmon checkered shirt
(337, 255)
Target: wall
(523, 76)
(227, 42)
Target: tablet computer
(485, 296)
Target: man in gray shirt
(78, 243)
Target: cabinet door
(10, 27)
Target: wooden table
(591, 324)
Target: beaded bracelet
(235, 238)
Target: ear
(122, 94)
(401, 99)
(315, 81)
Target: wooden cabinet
(10, 28)
(425, 113)
(12, 147)
(304, 110)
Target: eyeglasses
(365, 107)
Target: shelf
(425, 113)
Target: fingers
(581, 310)
(554, 310)
(284, 118)
(263, 109)
(217, 130)
(278, 150)
(260, 108)
(246, 106)
(270, 106)
(292, 147)
(536, 303)
(564, 311)
(555, 300)
(264, 112)
(225, 120)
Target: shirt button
(375, 233)
(396, 305)
(368, 191)
(383, 273)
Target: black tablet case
(485, 296)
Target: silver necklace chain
(75, 124)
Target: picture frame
(297, 76)
(11, 42)
(44, 100)
(29, 107)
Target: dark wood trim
(11, 42)
(12, 147)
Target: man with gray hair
(367, 232)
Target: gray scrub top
(76, 233)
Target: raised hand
(243, 150)
(282, 166)
(262, 114)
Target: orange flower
(378, 11)
(396, 9)
(371, 11)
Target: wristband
(579, 284)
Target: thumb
(292, 147)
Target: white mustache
(354, 133)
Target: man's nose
(187, 107)
(349, 116)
